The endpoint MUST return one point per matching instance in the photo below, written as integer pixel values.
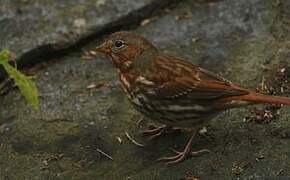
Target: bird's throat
(123, 64)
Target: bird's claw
(181, 156)
(159, 131)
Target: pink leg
(186, 153)
(159, 131)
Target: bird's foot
(154, 132)
(181, 156)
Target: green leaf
(4, 56)
(25, 84)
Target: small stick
(105, 154)
(263, 83)
(132, 140)
(279, 172)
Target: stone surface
(27, 25)
(63, 140)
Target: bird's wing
(178, 78)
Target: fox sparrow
(173, 91)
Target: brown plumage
(172, 91)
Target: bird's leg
(159, 131)
(186, 153)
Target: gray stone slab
(28, 25)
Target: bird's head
(124, 48)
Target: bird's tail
(258, 98)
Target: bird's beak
(103, 48)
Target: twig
(263, 83)
(133, 140)
(119, 140)
(279, 172)
(105, 154)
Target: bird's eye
(119, 44)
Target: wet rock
(30, 24)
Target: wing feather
(175, 78)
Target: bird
(172, 91)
